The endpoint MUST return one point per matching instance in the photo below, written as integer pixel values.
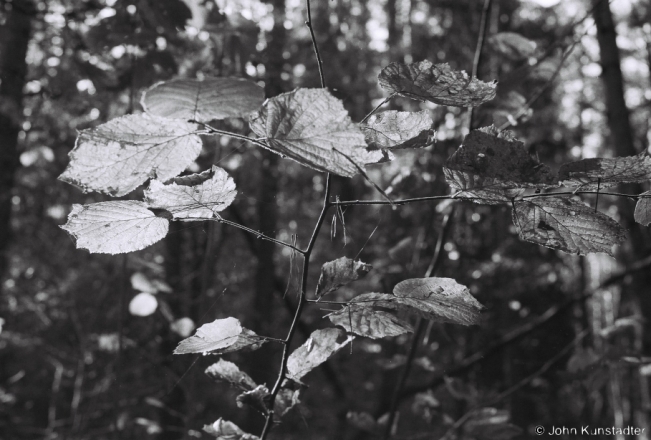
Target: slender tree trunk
(14, 38)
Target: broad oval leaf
(488, 165)
(203, 100)
(396, 130)
(512, 45)
(225, 430)
(316, 350)
(643, 209)
(439, 299)
(592, 173)
(312, 127)
(118, 156)
(437, 83)
(195, 197)
(224, 371)
(364, 321)
(115, 227)
(219, 337)
(567, 225)
(338, 273)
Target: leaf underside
(312, 127)
(316, 350)
(437, 83)
(338, 273)
(118, 156)
(567, 225)
(590, 174)
(203, 100)
(397, 130)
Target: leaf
(338, 273)
(225, 430)
(437, 83)
(312, 127)
(364, 321)
(513, 46)
(143, 304)
(316, 350)
(224, 371)
(643, 209)
(287, 398)
(203, 100)
(363, 421)
(397, 130)
(603, 173)
(257, 398)
(219, 337)
(567, 225)
(115, 227)
(118, 156)
(489, 163)
(439, 299)
(187, 200)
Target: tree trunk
(14, 38)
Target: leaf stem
(258, 234)
(319, 61)
(213, 130)
(483, 27)
(282, 373)
(387, 99)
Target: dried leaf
(567, 225)
(115, 227)
(218, 337)
(193, 201)
(437, 83)
(287, 398)
(340, 272)
(118, 156)
(439, 299)
(491, 165)
(312, 127)
(316, 350)
(643, 209)
(364, 321)
(513, 46)
(396, 130)
(224, 371)
(605, 172)
(203, 100)
(225, 430)
(257, 399)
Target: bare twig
(308, 23)
(212, 130)
(387, 99)
(258, 234)
(483, 28)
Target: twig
(483, 27)
(258, 234)
(308, 23)
(420, 327)
(387, 99)
(213, 130)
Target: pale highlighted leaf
(143, 304)
(118, 156)
(196, 197)
(567, 225)
(312, 127)
(396, 130)
(513, 46)
(225, 430)
(115, 227)
(203, 100)
(316, 350)
(224, 371)
(338, 273)
(364, 321)
(495, 167)
(437, 83)
(219, 337)
(643, 209)
(596, 173)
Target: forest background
(563, 338)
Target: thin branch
(282, 373)
(308, 23)
(258, 234)
(212, 130)
(387, 99)
(483, 28)
(420, 327)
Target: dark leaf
(363, 421)
(397, 130)
(437, 83)
(490, 424)
(287, 397)
(567, 225)
(224, 371)
(257, 398)
(603, 173)
(340, 272)
(316, 350)
(364, 321)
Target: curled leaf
(203, 100)
(115, 227)
(316, 350)
(257, 398)
(605, 172)
(312, 127)
(338, 273)
(437, 83)
(224, 371)
(396, 130)
(567, 225)
(118, 156)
